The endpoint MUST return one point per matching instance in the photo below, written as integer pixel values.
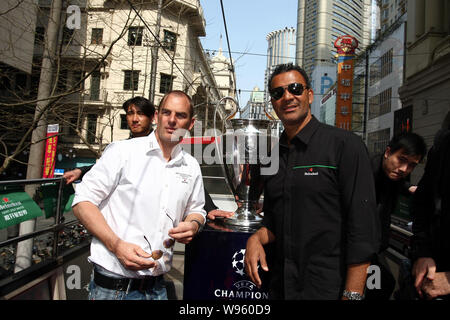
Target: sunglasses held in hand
(294, 88)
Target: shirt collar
(177, 155)
(305, 134)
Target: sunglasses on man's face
(294, 88)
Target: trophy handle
(219, 151)
(268, 114)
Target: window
(385, 101)
(123, 122)
(21, 81)
(170, 40)
(39, 35)
(386, 63)
(95, 86)
(69, 127)
(166, 83)
(73, 126)
(67, 35)
(91, 128)
(378, 140)
(381, 68)
(62, 80)
(131, 80)
(76, 77)
(97, 36)
(380, 104)
(374, 73)
(135, 36)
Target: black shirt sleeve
(422, 206)
(358, 200)
(209, 204)
(84, 170)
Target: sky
(248, 24)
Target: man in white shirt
(140, 196)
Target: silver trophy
(243, 149)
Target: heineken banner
(16, 207)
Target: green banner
(17, 207)
(49, 196)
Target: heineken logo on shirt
(311, 170)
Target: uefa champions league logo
(238, 262)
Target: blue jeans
(156, 292)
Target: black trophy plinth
(214, 265)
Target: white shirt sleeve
(196, 200)
(101, 180)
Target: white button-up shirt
(141, 196)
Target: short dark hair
(142, 104)
(411, 144)
(179, 93)
(282, 68)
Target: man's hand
(219, 213)
(421, 268)
(184, 232)
(255, 253)
(72, 175)
(132, 256)
(439, 286)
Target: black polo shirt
(387, 193)
(321, 208)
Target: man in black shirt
(319, 208)
(431, 221)
(391, 171)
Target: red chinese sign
(50, 150)
(346, 44)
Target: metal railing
(58, 225)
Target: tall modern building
(280, 49)
(321, 22)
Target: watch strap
(352, 295)
(200, 225)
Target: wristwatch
(351, 295)
(200, 225)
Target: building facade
(425, 94)
(116, 53)
(385, 77)
(390, 12)
(17, 38)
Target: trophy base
(244, 219)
